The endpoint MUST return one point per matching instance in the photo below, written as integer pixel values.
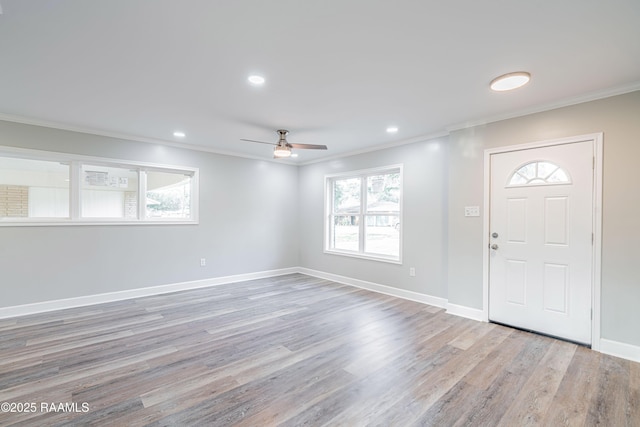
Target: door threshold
(581, 344)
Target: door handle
(494, 247)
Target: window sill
(67, 222)
(369, 257)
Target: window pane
(517, 179)
(382, 235)
(346, 196)
(529, 171)
(346, 234)
(558, 176)
(33, 189)
(168, 195)
(109, 192)
(383, 193)
(539, 173)
(545, 169)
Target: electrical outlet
(412, 271)
(203, 262)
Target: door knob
(494, 247)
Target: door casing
(597, 139)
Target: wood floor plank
(371, 397)
(611, 403)
(296, 350)
(634, 392)
(576, 391)
(492, 404)
(535, 397)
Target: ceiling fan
(283, 148)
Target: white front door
(541, 225)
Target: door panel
(517, 220)
(555, 220)
(541, 210)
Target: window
(33, 189)
(109, 192)
(539, 173)
(38, 187)
(363, 213)
(168, 195)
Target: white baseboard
(61, 304)
(620, 349)
(375, 287)
(464, 311)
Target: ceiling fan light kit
(281, 151)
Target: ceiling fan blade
(259, 142)
(309, 146)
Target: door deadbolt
(494, 235)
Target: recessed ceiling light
(256, 80)
(294, 154)
(392, 129)
(179, 134)
(510, 81)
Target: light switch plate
(472, 211)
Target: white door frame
(597, 139)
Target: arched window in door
(539, 172)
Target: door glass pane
(168, 195)
(346, 232)
(33, 189)
(109, 192)
(346, 196)
(539, 173)
(382, 235)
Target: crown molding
(591, 96)
(129, 137)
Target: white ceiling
(338, 72)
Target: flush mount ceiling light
(510, 81)
(392, 129)
(256, 80)
(179, 134)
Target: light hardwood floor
(300, 351)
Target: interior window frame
(362, 214)
(76, 162)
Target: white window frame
(328, 214)
(76, 162)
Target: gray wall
(619, 119)
(240, 202)
(241, 199)
(424, 220)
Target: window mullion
(363, 208)
(142, 195)
(75, 191)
